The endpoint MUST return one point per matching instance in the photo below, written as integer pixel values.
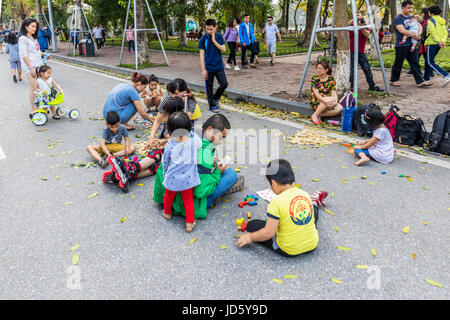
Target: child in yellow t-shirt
(292, 215)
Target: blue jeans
(365, 151)
(430, 65)
(229, 178)
(125, 114)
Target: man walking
(403, 48)
(98, 36)
(247, 38)
(363, 34)
(270, 39)
(211, 46)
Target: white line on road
(2, 154)
(409, 155)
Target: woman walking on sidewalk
(232, 38)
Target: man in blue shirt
(247, 38)
(211, 46)
(403, 50)
(44, 35)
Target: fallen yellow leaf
(123, 219)
(278, 281)
(344, 248)
(75, 259)
(373, 252)
(192, 241)
(222, 247)
(92, 195)
(336, 280)
(434, 283)
(329, 212)
(75, 247)
(290, 276)
(405, 230)
(362, 266)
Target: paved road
(149, 257)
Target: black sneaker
(14, 78)
(376, 89)
(271, 63)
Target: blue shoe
(214, 109)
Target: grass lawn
(287, 47)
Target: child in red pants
(180, 166)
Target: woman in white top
(30, 55)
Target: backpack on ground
(439, 138)
(349, 104)
(410, 131)
(392, 117)
(362, 128)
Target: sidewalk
(282, 80)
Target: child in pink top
(130, 39)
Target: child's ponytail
(42, 69)
(139, 78)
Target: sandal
(167, 216)
(102, 163)
(395, 84)
(56, 117)
(190, 226)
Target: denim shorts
(365, 151)
(15, 65)
(271, 46)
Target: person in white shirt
(270, 34)
(97, 31)
(30, 55)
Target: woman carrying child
(12, 48)
(179, 165)
(126, 101)
(324, 99)
(291, 227)
(380, 147)
(30, 56)
(46, 84)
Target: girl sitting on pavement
(291, 227)
(324, 99)
(46, 83)
(153, 97)
(380, 147)
(179, 165)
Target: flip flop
(190, 226)
(394, 84)
(316, 122)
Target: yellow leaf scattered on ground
(405, 230)
(373, 251)
(278, 281)
(75, 259)
(362, 266)
(222, 247)
(192, 241)
(123, 219)
(336, 280)
(414, 256)
(316, 180)
(291, 276)
(344, 248)
(75, 247)
(434, 283)
(140, 184)
(329, 212)
(92, 195)
(69, 202)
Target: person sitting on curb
(216, 179)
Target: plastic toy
(253, 203)
(242, 204)
(40, 117)
(242, 227)
(239, 222)
(249, 216)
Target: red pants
(188, 200)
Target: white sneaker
(446, 81)
(236, 68)
(227, 66)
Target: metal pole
(71, 30)
(377, 46)
(50, 16)
(75, 32)
(333, 24)
(135, 36)
(124, 32)
(311, 44)
(355, 52)
(157, 33)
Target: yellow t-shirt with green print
(296, 231)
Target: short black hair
(182, 85)
(284, 173)
(210, 22)
(270, 17)
(374, 117)
(112, 117)
(179, 120)
(217, 121)
(173, 86)
(25, 24)
(153, 78)
(245, 15)
(12, 38)
(407, 3)
(173, 105)
(436, 10)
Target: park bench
(193, 36)
(387, 42)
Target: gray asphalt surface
(147, 257)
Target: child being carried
(413, 26)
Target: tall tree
(342, 72)
(311, 9)
(142, 40)
(392, 9)
(39, 11)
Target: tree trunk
(283, 12)
(286, 21)
(142, 41)
(182, 30)
(342, 72)
(386, 16)
(377, 19)
(311, 9)
(325, 16)
(39, 12)
(393, 10)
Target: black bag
(254, 48)
(362, 128)
(439, 138)
(410, 131)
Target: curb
(234, 94)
